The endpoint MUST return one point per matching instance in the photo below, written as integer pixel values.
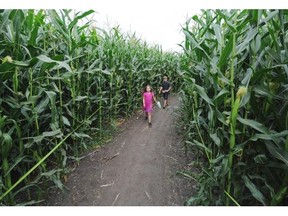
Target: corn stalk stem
(232, 122)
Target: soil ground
(137, 168)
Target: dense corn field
(62, 87)
(235, 103)
(65, 85)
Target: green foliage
(241, 141)
(56, 75)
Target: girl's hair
(149, 86)
(144, 90)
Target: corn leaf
(253, 189)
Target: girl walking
(148, 98)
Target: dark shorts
(165, 95)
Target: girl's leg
(149, 117)
(149, 120)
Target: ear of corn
(56, 75)
(62, 83)
(246, 135)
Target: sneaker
(163, 107)
(150, 124)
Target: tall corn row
(62, 86)
(235, 80)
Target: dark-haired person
(165, 89)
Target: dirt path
(137, 168)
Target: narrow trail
(137, 168)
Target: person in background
(148, 98)
(165, 89)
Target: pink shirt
(148, 98)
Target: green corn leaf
(52, 175)
(51, 96)
(245, 44)
(44, 135)
(51, 133)
(20, 63)
(6, 144)
(226, 52)
(253, 189)
(260, 159)
(280, 195)
(202, 93)
(5, 19)
(42, 105)
(258, 43)
(80, 98)
(198, 144)
(66, 121)
(82, 135)
(6, 71)
(261, 90)
(254, 124)
(192, 201)
(217, 31)
(225, 17)
(215, 139)
(77, 18)
(246, 79)
(16, 162)
(223, 78)
(220, 95)
(106, 72)
(187, 174)
(270, 136)
(38, 21)
(194, 42)
(18, 18)
(277, 152)
(49, 60)
(270, 16)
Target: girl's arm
(143, 101)
(160, 90)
